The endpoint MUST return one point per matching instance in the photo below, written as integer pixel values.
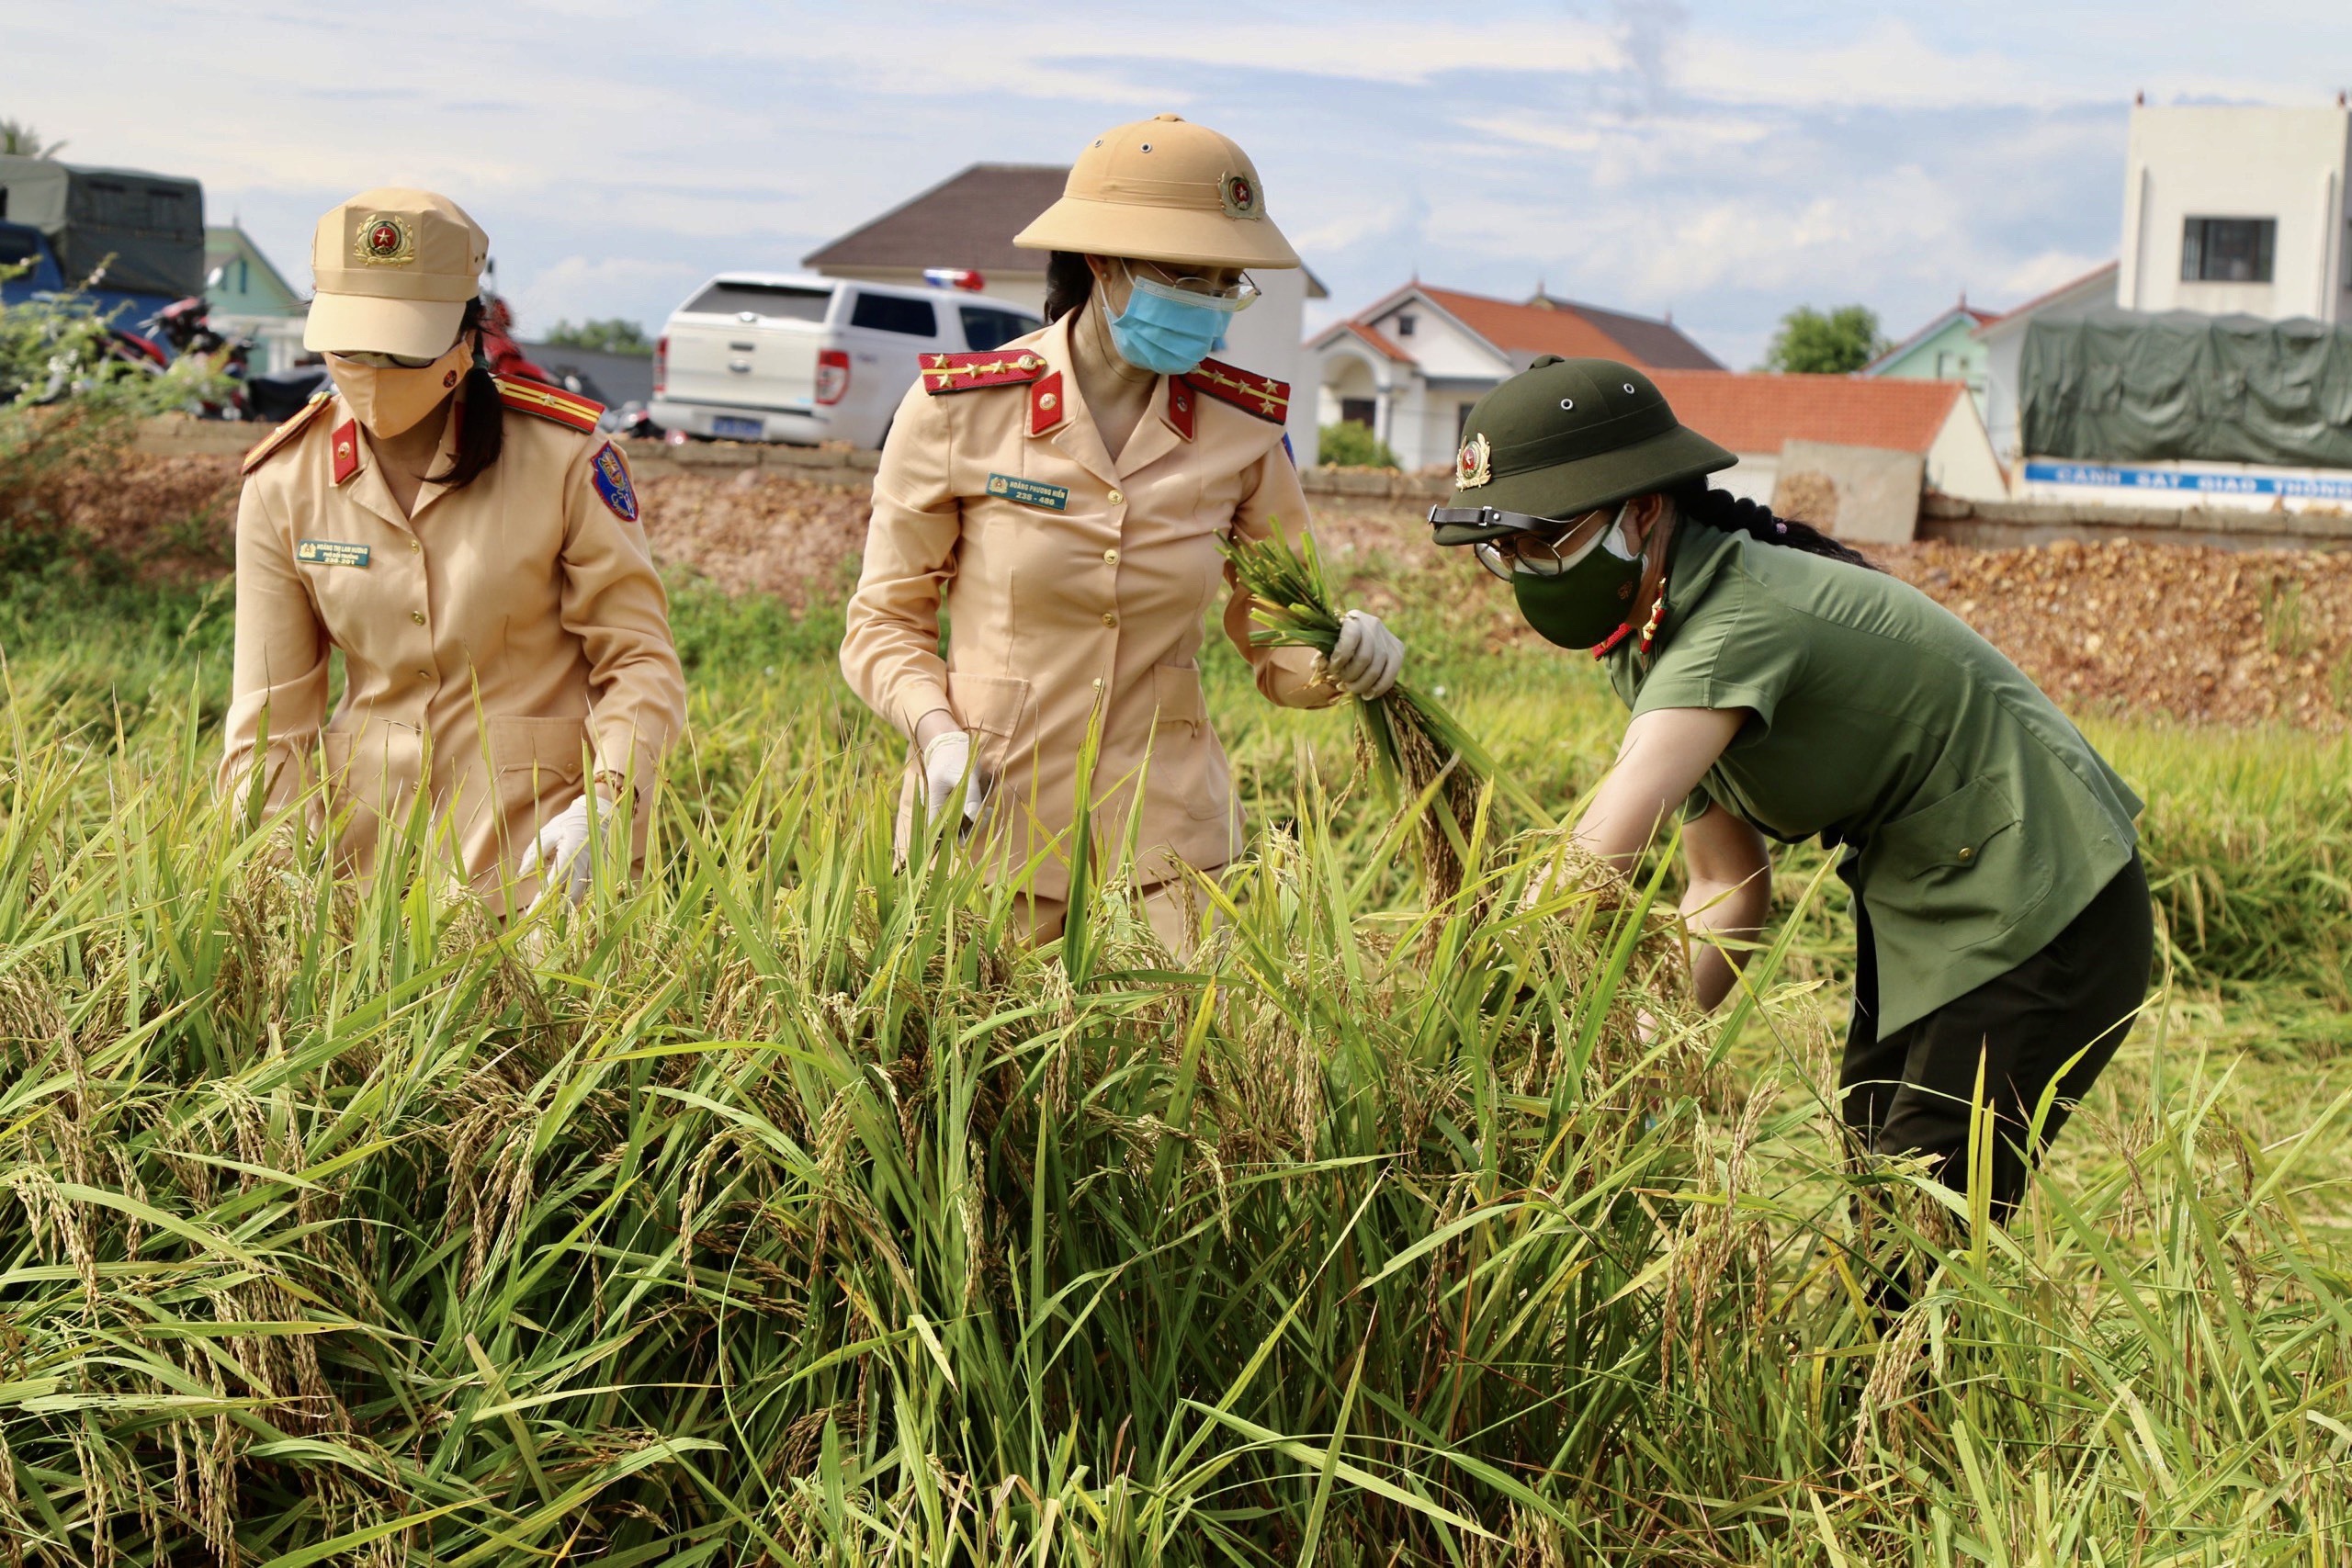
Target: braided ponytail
(1725, 514)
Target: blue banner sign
(2304, 487)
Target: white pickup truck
(781, 357)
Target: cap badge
(386, 240)
(1473, 465)
(1240, 194)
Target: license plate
(737, 429)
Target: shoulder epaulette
(1245, 390)
(964, 372)
(550, 402)
(286, 432)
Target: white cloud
(580, 289)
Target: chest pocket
(1960, 866)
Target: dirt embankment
(2196, 633)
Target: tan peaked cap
(1163, 189)
(394, 268)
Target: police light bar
(954, 277)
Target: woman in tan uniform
(1063, 499)
(472, 547)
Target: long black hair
(482, 415)
(1070, 283)
(1727, 513)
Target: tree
(1838, 343)
(24, 141)
(612, 335)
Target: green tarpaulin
(2125, 386)
(152, 226)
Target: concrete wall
(2287, 165)
(2014, 524)
(1960, 462)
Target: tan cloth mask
(392, 400)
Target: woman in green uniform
(1783, 688)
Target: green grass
(780, 1210)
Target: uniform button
(1110, 617)
(414, 545)
(1098, 683)
(1116, 498)
(1965, 855)
(417, 616)
(1110, 557)
(424, 675)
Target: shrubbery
(1348, 445)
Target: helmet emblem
(385, 241)
(1472, 465)
(1240, 194)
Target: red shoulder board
(963, 372)
(1245, 390)
(287, 431)
(550, 402)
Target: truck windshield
(779, 301)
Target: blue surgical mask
(1168, 330)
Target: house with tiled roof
(1410, 366)
(967, 222)
(1946, 349)
(1756, 415)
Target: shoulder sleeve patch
(1251, 393)
(285, 433)
(969, 372)
(550, 402)
(609, 472)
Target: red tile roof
(1379, 341)
(1755, 413)
(1580, 331)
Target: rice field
(781, 1209)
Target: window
(1356, 410)
(778, 301)
(1404, 326)
(244, 277)
(986, 328)
(2227, 249)
(889, 313)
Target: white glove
(561, 849)
(946, 762)
(1366, 660)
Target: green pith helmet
(1565, 436)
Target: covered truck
(69, 221)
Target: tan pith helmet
(394, 268)
(1166, 190)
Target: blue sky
(1725, 162)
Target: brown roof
(967, 219)
(1755, 413)
(1580, 331)
(1379, 341)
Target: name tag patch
(1029, 492)
(330, 552)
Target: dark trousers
(1910, 1091)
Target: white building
(2229, 209)
(968, 221)
(1410, 367)
(2004, 340)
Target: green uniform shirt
(1977, 820)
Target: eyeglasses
(375, 361)
(1240, 295)
(1537, 546)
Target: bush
(1348, 445)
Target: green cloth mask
(1582, 605)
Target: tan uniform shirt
(1077, 585)
(489, 641)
